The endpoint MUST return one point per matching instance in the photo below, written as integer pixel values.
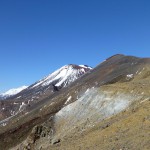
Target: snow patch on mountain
(12, 92)
(85, 66)
(63, 76)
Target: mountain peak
(64, 76)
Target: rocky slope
(107, 108)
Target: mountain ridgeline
(78, 107)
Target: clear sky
(39, 36)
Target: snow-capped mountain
(63, 76)
(12, 92)
(22, 100)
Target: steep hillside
(114, 116)
(127, 130)
(107, 108)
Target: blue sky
(39, 36)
